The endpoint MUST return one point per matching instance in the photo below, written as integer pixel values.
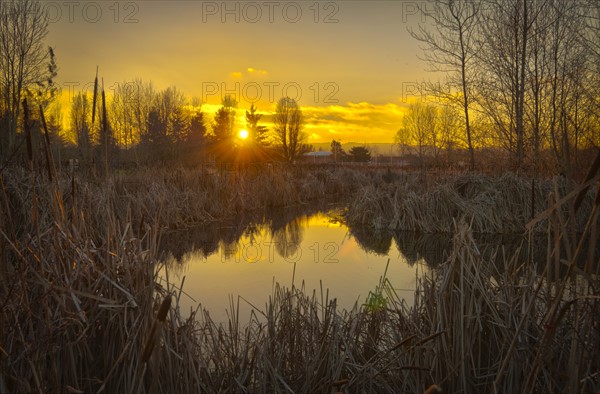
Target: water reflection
(432, 248)
(285, 227)
(308, 247)
(378, 242)
(284, 233)
(311, 247)
(287, 238)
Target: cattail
(94, 97)
(339, 384)
(155, 330)
(433, 389)
(105, 130)
(594, 169)
(49, 160)
(27, 126)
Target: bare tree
(142, 101)
(80, 119)
(169, 104)
(23, 60)
(529, 67)
(537, 72)
(288, 128)
(591, 41)
(122, 113)
(420, 122)
(448, 124)
(450, 47)
(507, 29)
(559, 49)
(591, 35)
(402, 140)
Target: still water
(314, 250)
(307, 247)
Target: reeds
(80, 295)
(488, 204)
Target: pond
(219, 262)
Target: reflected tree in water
(372, 241)
(288, 238)
(433, 248)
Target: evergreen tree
(178, 125)
(224, 125)
(196, 134)
(258, 133)
(223, 130)
(155, 139)
(360, 154)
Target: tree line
(164, 124)
(521, 75)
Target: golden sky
(351, 65)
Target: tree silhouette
(178, 125)
(80, 119)
(121, 113)
(223, 127)
(156, 135)
(197, 131)
(142, 101)
(287, 123)
(23, 62)
(169, 104)
(360, 154)
(258, 133)
(338, 152)
(107, 144)
(450, 47)
(420, 123)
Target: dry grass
(488, 204)
(171, 198)
(82, 309)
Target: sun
(243, 134)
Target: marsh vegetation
(81, 296)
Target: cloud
(354, 122)
(253, 71)
(248, 73)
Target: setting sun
(243, 134)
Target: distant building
(319, 157)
